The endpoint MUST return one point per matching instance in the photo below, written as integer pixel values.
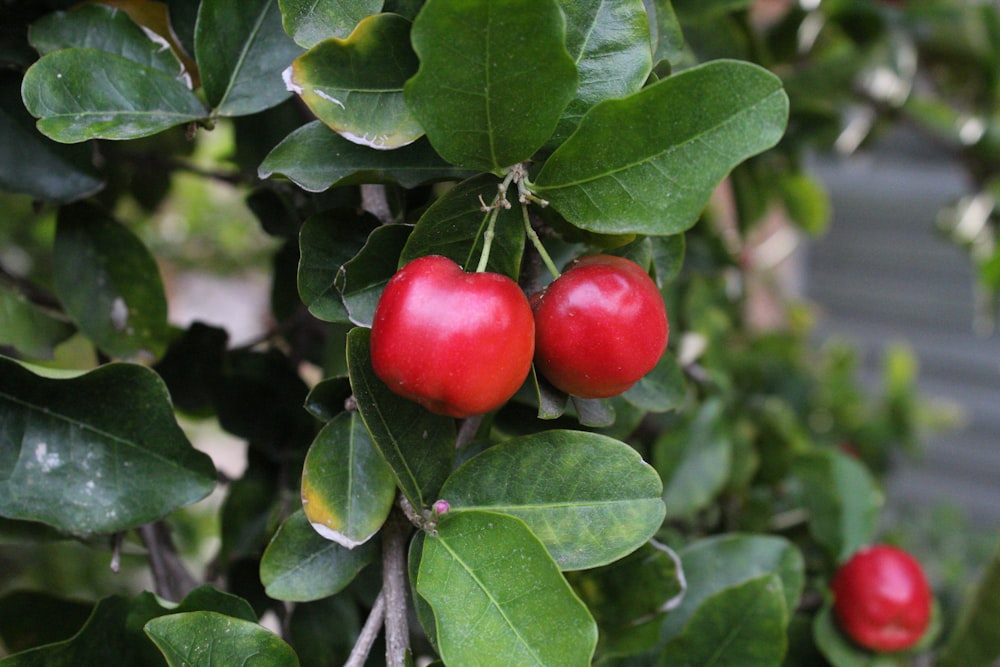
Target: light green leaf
(30, 329)
(694, 460)
(498, 598)
(316, 158)
(455, 224)
(417, 444)
(97, 453)
(480, 93)
(716, 563)
(327, 241)
(103, 28)
(738, 626)
(648, 163)
(300, 565)
(609, 41)
(109, 284)
(355, 85)
(311, 21)
(211, 639)
(975, 639)
(242, 49)
(80, 94)
(347, 487)
(843, 500)
(590, 499)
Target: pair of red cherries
(462, 344)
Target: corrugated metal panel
(881, 274)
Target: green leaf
(363, 278)
(316, 158)
(716, 563)
(609, 41)
(694, 460)
(498, 598)
(327, 241)
(843, 500)
(97, 453)
(30, 329)
(113, 637)
(842, 652)
(806, 201)
(323, 632)
(34, 618)
(668, 257)
(626, 169)
(355, 85)
(455, 224)
(311, 21)
(738, 626)
(106, 29)
(109, 284)
(242, 49)
(80, 94)
(301, 565)
(662, 389)
(480, 93)
(975, 639)
(590, 499)
(347, 487)
(669, 38)
(629, 597)
(418, 445)
(210, 639)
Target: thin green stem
(484, 257)
(524, 198)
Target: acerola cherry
(882, 599)
(599, 327)
(458, 343)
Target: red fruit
(599, 327)
(458, 343)
(882, 599)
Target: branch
(363, 646)
(397, 632)
(375, 201)
(171, 578)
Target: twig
(397, 632)
(363, 646)
(375, 201)
(171, 578)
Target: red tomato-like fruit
(458, 343)
(599, 327)
(881, 598)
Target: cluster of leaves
(695, 518)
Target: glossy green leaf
(668, 44)
(418, 445)
(648, 163)
(662, 389)
(316, 158)
(347, 487)
(738, 626)
(365, 275)
(629, 597)
(56, 172)
(80, 94)
(840, 651)
(668, 257)
(103, 28)
(109, 284)
(301, 565)
(211, 639)
(97, 453)
(311, 21)
(479, 93)
(843, 500)
(498, 598)
(975, 639)
(30, 329)
(609, 41)
(694, 460)
(242, 49)
(113, 636)
(716, 563)
(455, 225)
(327, 241)
(355, 85)
(590, 499)
(328, 397)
